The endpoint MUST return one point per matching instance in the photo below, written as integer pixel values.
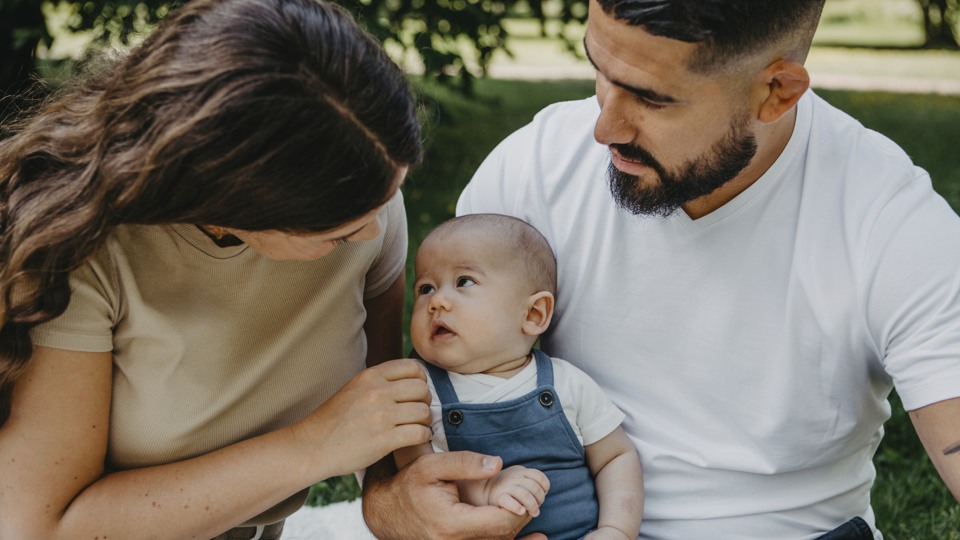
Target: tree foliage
(21, 30)
(454, 39)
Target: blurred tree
(941, 23)
(21, 30)
(439, 31)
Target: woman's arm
(384, 324)
(616, 471)
(52, 452)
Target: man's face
(674, 135)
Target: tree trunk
(939, 18)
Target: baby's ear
(539, 313)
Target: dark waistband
(855, 529)
(262, 532)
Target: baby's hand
(519, 490)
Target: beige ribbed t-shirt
(215, 345)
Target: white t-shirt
(589, 411)
(752, 349)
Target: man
(763, 274)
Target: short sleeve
(389, 263)
(913, 294)
(596, 416)
(87, 324)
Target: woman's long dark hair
(249, 114)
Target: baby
(484, 293)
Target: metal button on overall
(546, 399)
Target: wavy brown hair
(248, 114)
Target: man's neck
(770, 144)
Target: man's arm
(938, 426)
(422, 501)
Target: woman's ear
(539, 313)
(784, 83)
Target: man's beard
(699, 177)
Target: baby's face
(469, 305)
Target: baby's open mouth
(442, 331)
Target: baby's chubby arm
(517, 489)
(615, 467)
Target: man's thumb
(462, 465)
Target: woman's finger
(403, 368)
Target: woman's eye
(425, 289)
(465, 281)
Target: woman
(198, 251)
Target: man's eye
(425, 289)
(465, 281)
(652, 105)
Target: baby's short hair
(527, 247)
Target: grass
(910, 500)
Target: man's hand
(422, 501)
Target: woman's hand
(381, 409)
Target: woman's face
(286, 246)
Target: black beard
(699, 177)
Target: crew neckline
(791, 152)
(200, 240)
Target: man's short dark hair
(726, 29)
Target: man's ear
(539, 313)
(783, 83)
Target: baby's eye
(425, 288)
(464, 281)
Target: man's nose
(615, 125)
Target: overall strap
(544, 368)
(442, 384)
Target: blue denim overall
(532, 431)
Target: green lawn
(910, 500)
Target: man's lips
(625, 164)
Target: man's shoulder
(846, 159)
(835, 132)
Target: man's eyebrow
(644, 93)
